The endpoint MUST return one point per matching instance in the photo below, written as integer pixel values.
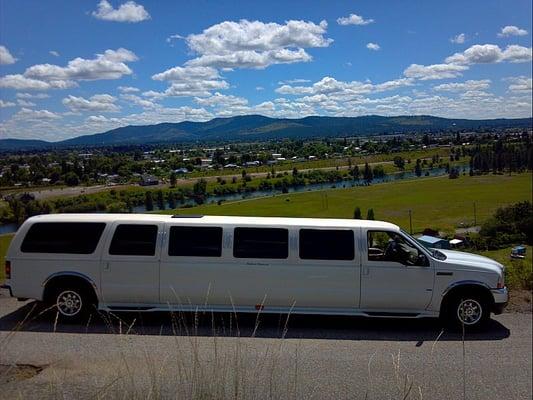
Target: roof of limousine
(211, 219)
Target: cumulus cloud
(109, 65)
(139, 101)
(54, 53)
(341, 89)
(354, 19)
(32, 96)
(98, 102)
(490, 53)
(470, 85)
(255, 44)
(221, 100)
(25, 103)
(5, 104)
(28, 114)
(511, 30)
(5, 56)
(127, 12)
(128, 89)
(435, 71)
(373, 46)
(458, 39)
(520, 84)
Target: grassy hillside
(439, 203)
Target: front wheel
(468, 312)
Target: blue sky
(69, 68)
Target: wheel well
(466, 290)
(69, 281)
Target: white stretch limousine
(148, 262)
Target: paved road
(138, 356)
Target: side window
(321, 244)
(390, 246)
(63, 237)
(134, 240)
(195, 241)
(261, 243)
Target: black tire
(71, 303)
(468, 312)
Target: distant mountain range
(254, 127)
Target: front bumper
(501, 298)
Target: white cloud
(32, 96)
(6, 57)
(54, 53)
(458, 39)
(27, 114)
(128, 89)
(25, 103)
(139, 101)
(259, 88)
(187, 73)
(373, 46)
(511, 30)
(127, 12)
(520, 84)
(435, 71)
(98, 102)
(343, 90)
(490, 53)
(109, 65)
(255, 44)
(5, 104)
(471, 85)
(293, 81)
(174, 37)
(354, 19)
(221, 100)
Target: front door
(396, 274)
(130, 264)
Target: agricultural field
(438, 203)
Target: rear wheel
(469, 311)
(72, 304)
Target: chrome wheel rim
(469, 312)
(69, 303)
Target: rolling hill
(254, 127)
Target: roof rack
(187, 216)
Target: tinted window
(390, 246)
(319, 244)
(63, 237)
(261, 243)
(134, 240)
(195, 241)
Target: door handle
(106, 266)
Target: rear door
(130, 263)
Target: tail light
(8, 269)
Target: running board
(391, 314)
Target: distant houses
(148, 180)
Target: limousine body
(148, 262)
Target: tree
(295, 172)
(367, 173)
(355, 172)
(370, 214)
(418, 168)
(149, 201)
(171, 198)
(399, 162)
(71, 179)
(357, 213)
(173, 179)
(160, 200)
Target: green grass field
(438, 203)
(518, 272)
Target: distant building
(149, 180)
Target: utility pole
(410, 222)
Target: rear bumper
(501, 298)
(8, 288)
